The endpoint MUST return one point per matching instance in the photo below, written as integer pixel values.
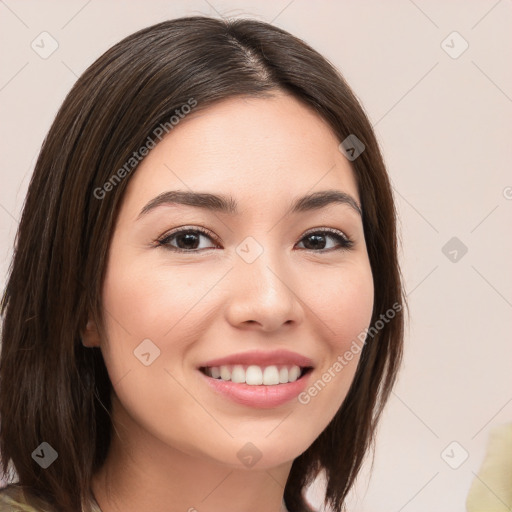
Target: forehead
(262, 151)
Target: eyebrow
(227, 204)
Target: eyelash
(345, 242)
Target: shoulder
(13, 499)
(17, 498)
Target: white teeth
(294, 373)
(271, 376)
(255, 375)
(225, 373)
(238, 374)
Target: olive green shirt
(14, 499)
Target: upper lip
(261, 358)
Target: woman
(144, 370)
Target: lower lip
(259, 397)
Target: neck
(143, 473)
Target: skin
(175, 441)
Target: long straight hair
(55, 390)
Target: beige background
(445, 128)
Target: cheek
(143, 301)
(149, 302)
(345, 310)
(346, 303)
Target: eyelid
(180, 229)
(328, 230)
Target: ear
(90, 336)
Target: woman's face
(266, 287)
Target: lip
(262, 358)
(258, 397)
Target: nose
(264, 293)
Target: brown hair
(55, 390)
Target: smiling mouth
(254, 375)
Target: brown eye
(189, 240)
(186, 240)
(318, 240)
